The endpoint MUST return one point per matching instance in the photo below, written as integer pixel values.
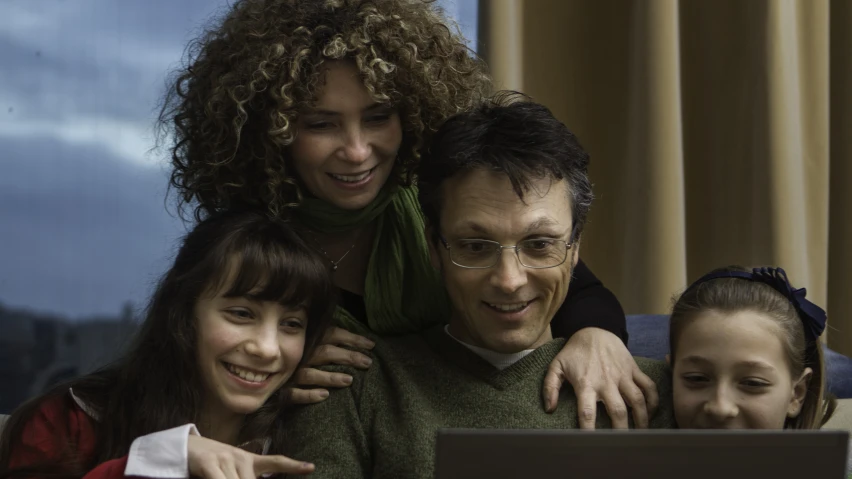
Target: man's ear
(434, 255)
(669, 360)
(575, 252)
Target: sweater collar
(500, 361)
(459, 355)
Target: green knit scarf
(403, 293)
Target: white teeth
(247, 375)
(351, 178)
(509, 308)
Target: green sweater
(385, 424)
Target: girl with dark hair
(746, 354)
(200, 389)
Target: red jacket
(57, 425)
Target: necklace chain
(334, 263)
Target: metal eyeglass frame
(497, 256)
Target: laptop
(658, 454)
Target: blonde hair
(232, 109)
(732, 295)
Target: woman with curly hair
(316, 111)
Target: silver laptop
(658, 454)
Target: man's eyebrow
(324, 112)
(474, 227)
(539, 224)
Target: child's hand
(209, 459)
(330, 351)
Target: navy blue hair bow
(813, 317)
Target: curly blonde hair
(232, 108)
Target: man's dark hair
(509, 134)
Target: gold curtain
(720, 133)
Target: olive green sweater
(385, 424)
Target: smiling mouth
(247, 374)
(352, 178)
(508, 307)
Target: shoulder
(395, 360)
(49, 427)
(390, 352)
(655, 369)
(413, 355)
(402, 346)
(62, 411)
(661, 374)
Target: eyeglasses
(538, 253)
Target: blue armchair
(649, 338)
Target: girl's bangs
(279, 273)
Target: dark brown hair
(233, 108)
(155, 385)
(509, 134)
(733, 295)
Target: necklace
(333, 262)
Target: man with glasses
(505, 193)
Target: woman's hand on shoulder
(332, 350)
(600, 368)
(209, 459)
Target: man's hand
(209, 459)
(330, 352)
(600, 368)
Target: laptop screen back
(575, 454)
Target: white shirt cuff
(161, 454)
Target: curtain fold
(840, 188)
(718, 133)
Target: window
(84, 233)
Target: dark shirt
(588, 304)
